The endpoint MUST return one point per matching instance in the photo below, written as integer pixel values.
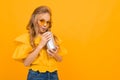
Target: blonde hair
(32, 26)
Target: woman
(32, 47)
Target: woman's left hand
(52, 52)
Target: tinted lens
(43, 22)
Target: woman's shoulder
(23, 38)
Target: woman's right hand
(45, 37)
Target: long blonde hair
(31, 27)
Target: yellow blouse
(43, 62)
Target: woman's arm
(54, 54)
(33, 55)
(57, 57)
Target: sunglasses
(42, 22)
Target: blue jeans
(36, 75)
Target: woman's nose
(45, 24)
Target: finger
(57, 47)
(47, 37)
(50, 55)
(46, 33)
(49, 51)
(53, 51)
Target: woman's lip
(44, 28)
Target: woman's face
(43, 21)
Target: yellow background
(90, 30)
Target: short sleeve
(62, 49)
(23, 47)
(21, 52)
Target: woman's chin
(42, 31)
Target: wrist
(40, 46)
(55, 54)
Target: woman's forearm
(57, 57)
(32, 56)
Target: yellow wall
(90, 30)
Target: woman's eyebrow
(45, 20)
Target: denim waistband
(42, 72)
(35, 75)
